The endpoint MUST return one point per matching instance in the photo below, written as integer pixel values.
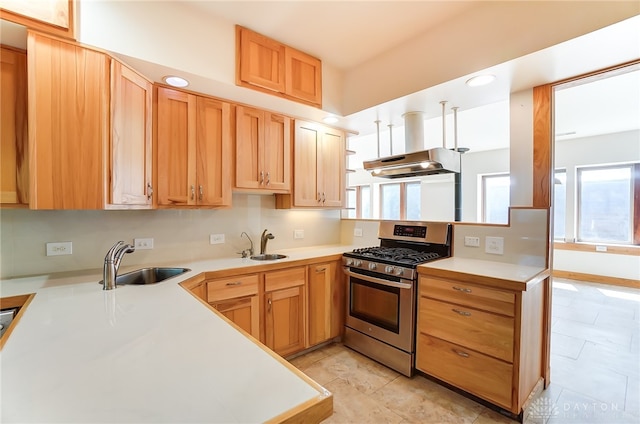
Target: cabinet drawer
(501, 302)
(276, 280)
(481, 331)
(228, 288)
(481, 375)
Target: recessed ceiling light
(175, 81)
(330, 119)
(479, 80)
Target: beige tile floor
(594, 371)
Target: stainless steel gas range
(382, 290)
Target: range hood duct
(416, 161)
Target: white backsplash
(179, 234)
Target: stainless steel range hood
(416, 161)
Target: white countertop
(490, 269)
(139, 354)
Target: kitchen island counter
(148, 353)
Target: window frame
(634, 200)
(483, 194)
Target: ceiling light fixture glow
(174, 81)
(479, 80)
(330, 119)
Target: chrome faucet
(247, 252)
(263, 241)
(112, 263)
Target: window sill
(592, 247)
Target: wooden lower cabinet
(237, 299)
(325, 302)
(486, 341)
(284, 310)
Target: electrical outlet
(357, 232)
(216, 239)
(472, 241)
(59, 248)
(600, 248)
(494, 245)
(298, 234)
(143, 243)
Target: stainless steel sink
(149, 275)
(267, 257)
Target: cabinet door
(285, 310)
(243, 312)
(261, 60)
(331, 168)
(213, 152)
(131, 120)
(276, 152)
(306, 138)
(320, 290)
(14, 166)
(68, 124)
(303, 76)
(176, 141)
(249, 139)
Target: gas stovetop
(391, 255)
(403, 246)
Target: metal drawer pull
(321, 269)
(460, 353)
(462, 289)
(201, 193)
(193, 192)
(235, 283)
(463, 313)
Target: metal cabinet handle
(319, 198)
(463, 313)
(149, 191)
(261, 177)
(321, 269)
(193, 192)
(235, 283)
(269, 303)
(323, 198)
(201, 192)
(462, 289)
(268, 178)
(461, 353)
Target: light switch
(494, 245)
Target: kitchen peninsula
(148, 353)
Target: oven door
(381, 308)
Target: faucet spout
(264, 238)
(244, 252)
(112, 263)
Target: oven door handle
(380, 281)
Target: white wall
(179, 235)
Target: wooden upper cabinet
(131, 139)
(262, 60)
(14, 166)
(194, 146)
(303, 76)
(270, 66)
(263, 150)
(52, 16)
(68, 124)
(319, 168)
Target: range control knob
(357, 262)
(399, 271)
(349, 262)
(388, 269)
(372, 266)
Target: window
(605, 204)
(400, 200)
(364, 197)
(390, 201)
(559, 204)
(495, 198)
(412, 204)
